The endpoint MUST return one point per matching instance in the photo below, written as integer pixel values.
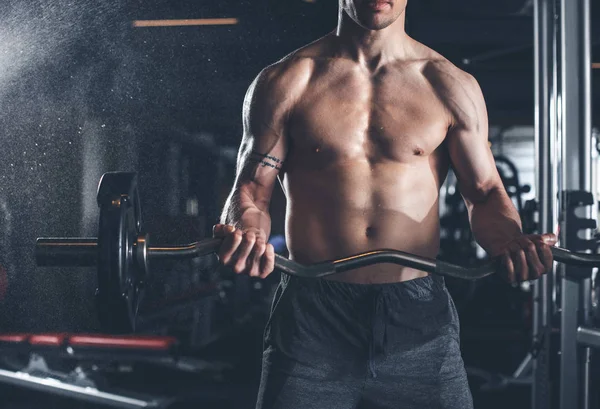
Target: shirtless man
(361, 127)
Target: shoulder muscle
(272, 95)
(459, 92)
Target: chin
(375, 23)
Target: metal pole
(586, 175)
(576, 161)
(576, 93)
(570, 357)
(544, 69)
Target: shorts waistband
(415, 288)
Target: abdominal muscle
(354, 207)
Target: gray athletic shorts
(335, 345)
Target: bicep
(263, 148)
(260, 159)
(473, 163)
(468, 146)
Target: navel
(370, 231)
(418, 152)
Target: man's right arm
(245, 221)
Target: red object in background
(14, 338)
(52, 340)
(3, 282)
(131, 342)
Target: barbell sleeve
(66, 251)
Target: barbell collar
(140, 249)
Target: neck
(372, 47)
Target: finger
(549, 238)
(255, 256)
(521, 266)
(229, 247)
(517, 256)
(267, 261)
(220, 230)
(217, 230)
(513, 251)
(535, 266)
(545, 255)
(243, 252)
(509, 267)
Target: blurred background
(89, 86)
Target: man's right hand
(245, 251)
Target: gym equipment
(563, 163)
(510, 179)
(85, 382)
(457, 244)
(121, 254)
(85, 367)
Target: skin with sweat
(360, 129)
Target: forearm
(494, 220)
(244, 213)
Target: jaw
(374, 15)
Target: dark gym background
(83, 91)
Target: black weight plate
(120, 223)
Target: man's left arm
(494, 219)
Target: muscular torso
(365, 163)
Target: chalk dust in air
(65, 71)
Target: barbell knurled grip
(474, 273)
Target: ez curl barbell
(121, 254)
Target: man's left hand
(527, 257)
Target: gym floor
(238, 388)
